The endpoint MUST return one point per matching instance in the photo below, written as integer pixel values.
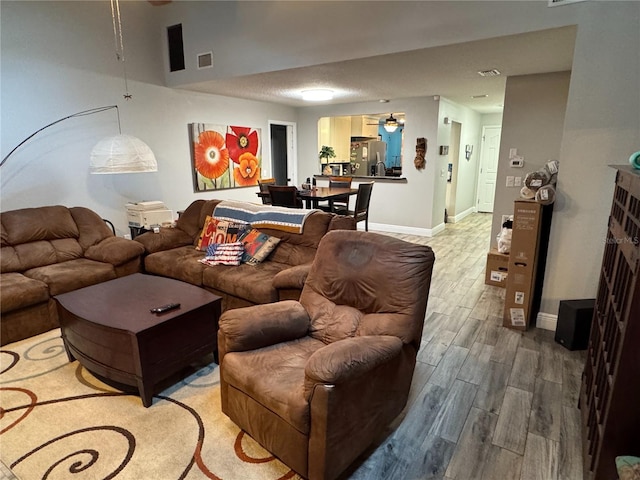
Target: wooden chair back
(284, 196)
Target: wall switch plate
(517, 182)
(444, 149)
(513, 152)
(510, 180)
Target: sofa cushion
(42, 223)
(274, 377)
(67, 276)
(114, 250)
(19, 291)
(251, 282)
(180, 263)
(91, 228)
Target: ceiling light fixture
(390, 124)
(317, 94)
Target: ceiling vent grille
(489, 73)
(205, 60)
(555, 3)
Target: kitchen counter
(362, 178)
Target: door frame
(292, 149)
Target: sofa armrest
(259, 326)
(344, 360)
(293, 277)
(166, 239)
(114, 250)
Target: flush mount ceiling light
(390, 124)
(317, 94)
(480, 96)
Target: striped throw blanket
(263, 216)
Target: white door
(488, 167)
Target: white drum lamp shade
(122, 154)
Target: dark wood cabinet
(610, 394)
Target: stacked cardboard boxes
(530, 235)
(497, 268)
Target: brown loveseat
(316, 381)
(172, 253)
(51, 250)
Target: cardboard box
(497, 268)
(531, 222)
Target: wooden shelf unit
(610, 393)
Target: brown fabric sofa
(172, 253)
(316, 381)
(51, 250)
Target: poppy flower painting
(224, 156)
(241, 140)
(248, 171)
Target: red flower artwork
(241, 140)
(248, 171)
(212, 159)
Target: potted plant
(326, 152)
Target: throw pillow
(224, 254)
(219, 231)
(257, 246)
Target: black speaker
(574, 323)
(176, 47)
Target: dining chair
(341, 202)
(284, 196)
(361, 211)
(263, 184)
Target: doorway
(283, 165)
(488, 172)
(452, 171)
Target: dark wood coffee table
(108, 327)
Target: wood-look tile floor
(486, 402)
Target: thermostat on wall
(517, 161)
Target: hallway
(486, 402)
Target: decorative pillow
(224, 254)
(219, 231)
(628, 467)
(257, 246)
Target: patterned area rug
(58, 421)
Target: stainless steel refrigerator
(365, 155)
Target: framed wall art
(224, 156)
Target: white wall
(58, 58)
(602, 127)
(533, 119)
(470, 134)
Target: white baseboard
(461, 216)
(547, 321)
(422, 232)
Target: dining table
(314, 195)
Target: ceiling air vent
(489, 73)
(555, 3)
(205, 60)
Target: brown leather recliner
(315, 381)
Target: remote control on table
(165, 308)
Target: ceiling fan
(390, 124)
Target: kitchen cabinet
(335, 132)
(364, 126)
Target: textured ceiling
(449, 71)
